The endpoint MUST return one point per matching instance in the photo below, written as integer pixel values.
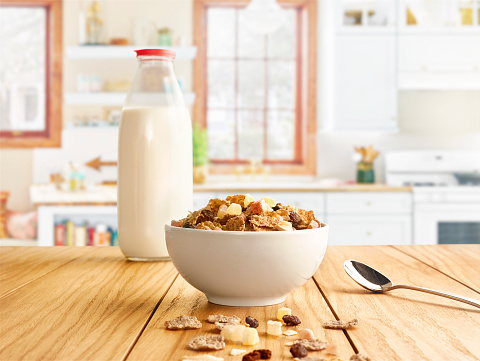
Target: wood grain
(401, 324)
(157, 343)
(91, 308)
(461, 263)
(21, 265)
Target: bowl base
(245, 302)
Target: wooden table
(89, 303)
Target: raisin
(295, 219)
(252, 322)
(265, 354)
(298, 350)
(188, 225)
(277, 206)
(291, 320)
(205, 216)
(252, 356)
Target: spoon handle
(468, 300)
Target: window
(30, 73)
(255, 92)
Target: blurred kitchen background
(365, 111)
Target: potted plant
(200, 153)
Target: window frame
(51, 135)
(305, 160)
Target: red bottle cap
(156, 52)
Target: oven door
(446, 223)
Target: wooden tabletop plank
(401, 324)
(459, 262)
(21, 265)
(157, 343)
(92, 308)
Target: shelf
(105, 98)
(122, 51)
(439, 81)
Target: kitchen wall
(427, 119)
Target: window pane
(280, 135)
(281, 84)
(282, 43)
(250, 134)
(22, 68)
(221, 83)
(250, 45)
(221, 32)
(251, 84)
(221, 134)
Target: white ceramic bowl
(246, 268)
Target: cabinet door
(365, 87)
(371, 230)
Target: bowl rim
(169, 228)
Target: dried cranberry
(295, 218)
(298, 350)
(188, 225)
(252, 322)
(291, 320)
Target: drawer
(378, 230)
(368, 203)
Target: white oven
(446, 193)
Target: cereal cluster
(242, 212)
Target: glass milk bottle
(154, 158)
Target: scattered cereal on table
(258, 355)
(282, 312)
(183, 323)
(306, 334)
(236, 352)
(233, 333)
(289, 332)
(331, 349)
(207, 343)
(250, 336)
(223, 319)
(313, 345)
(360, 357)
(291, 320)
(274, 328)
(310, 359)
(298, 350)
(339, 324)
(252, 322)
(202, 358)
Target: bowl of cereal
(242, 252)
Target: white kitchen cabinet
(366, 15)
(365, 84)
(369, 217)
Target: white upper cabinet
(365, 86)
(366, 15)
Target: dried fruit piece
(263, 354)
(306, 334)
(222, 211)
(234, 209)
(282, 312)
(339, 324)
(207, 343)
(205, 215)
(248, 200)
(183, 323)
(313, 345)
(270, 201)
(188, 225)
(274, 328)
(252, 322)
(298, 350)
(291, 320)
(284, 226)
(250, 336)
(313, 224)
(176, 223)
(360, 357)
(294, 218)
(289, 332)
(233, 333)
(277, 207)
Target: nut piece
(298, 350)
(183, 323)
(207, 343)
(313, 345)
(339, 324)
(234, 209)
(252, 322)
(360, 357)
(291, 320)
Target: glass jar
(154, 158)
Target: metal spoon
(373, 280)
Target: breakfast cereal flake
(313, 345)
(183, 323)
(202, 358)
(207, 343)
(360, 357)
(339, 324)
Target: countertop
(89, 303)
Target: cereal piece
(270, 201)
(188, 225)
(183, 323)
(282, 312)
(202, 358)
(207, 343)
(237, 198)
(215, 203)
(236, 352)
(295, 218)
(289, 332)
(274, 328)
(236, 223)
(310, 359)
(306, 334)
(290, 320)
(209, 226)
(284, 226)
(252, 322)
(264, 221)
(234, 209)
(250, 336)
(313, 345)
(298, 350)
(176, 223)
(223, 319)
(289, 343)
(360, 357)
(284, 214)
(221, 325)
(248, 200)
(233, 333)
(222, 211)
(313, 224)
(339, 324)
(307, 217)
